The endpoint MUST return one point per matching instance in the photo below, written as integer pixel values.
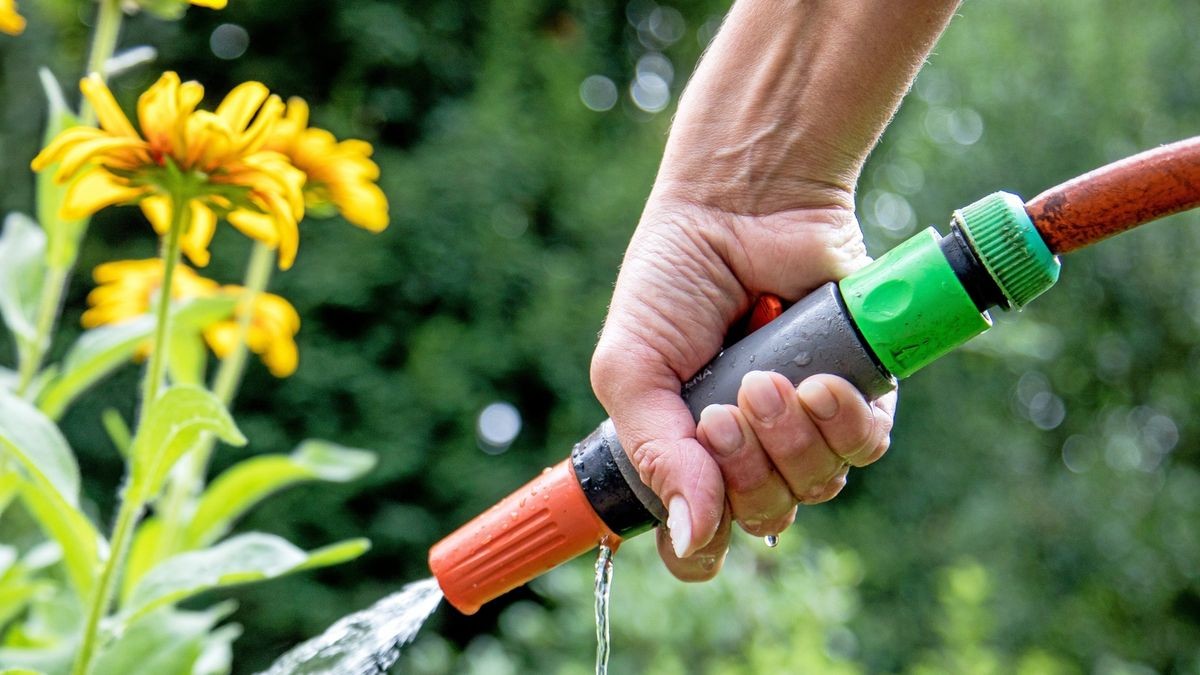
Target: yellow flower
(128, 288)
(215, 159)
(273, 327)
(339, 173)
(211, 4)
(10, 22)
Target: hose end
(1009, 246)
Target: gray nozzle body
(815, 335)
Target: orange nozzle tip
(546, 522)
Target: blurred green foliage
(1038, 510)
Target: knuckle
(878, 451)
(648, 458)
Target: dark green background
(1040, 508)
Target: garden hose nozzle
(919, 301)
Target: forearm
(791, 97)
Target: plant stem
(229, 374)
(133, 501)
(104, 43)
(162, 327)
(122, 535)
(53, 286)
(188, 483)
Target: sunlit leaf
(239, 488)
(117, 429)
(46, 639)
(64, 235)
(173, 424)
(22, 271)
(10, 483)
(39, 447)
(94, 355)
(167, 641)
(100, 351)
(80, 542)
(242, 559)
(186, 358)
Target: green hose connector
(1009, 246)
(910, 307)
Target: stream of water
(366, 642)
(604, 570)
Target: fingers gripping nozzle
(597, 495)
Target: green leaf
(167, 642)
(37, 444)
(51, 491)
(18, 585)
(186, 358)
(64, 235)
(80, 542)
(117, 429)
(47, 638)
(21, 671)
(242, 559)
(173, 424)
(239, 488)
(22, 272)
(100, 351)
(10, 483)
(94, 355)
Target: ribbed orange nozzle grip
(546, 522)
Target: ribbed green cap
(1009, 246)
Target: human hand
(687, 276)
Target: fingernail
(818, 399)
(762, 395)
(722, 429)
(679, 524)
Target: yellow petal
(222, 338)
(62, 143)
(258, 226)
(259, 131)
(10, 22)
(199, 234)
(111, 118)
(277, 310)
(289, 234)
(157, 210)
(75, 157)
(282, 357)
(239, 106)
(363, 204)
(95, 190)
(115, 270)
(211, 4)
(158, 112)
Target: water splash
(366, 642)
(604, 570)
